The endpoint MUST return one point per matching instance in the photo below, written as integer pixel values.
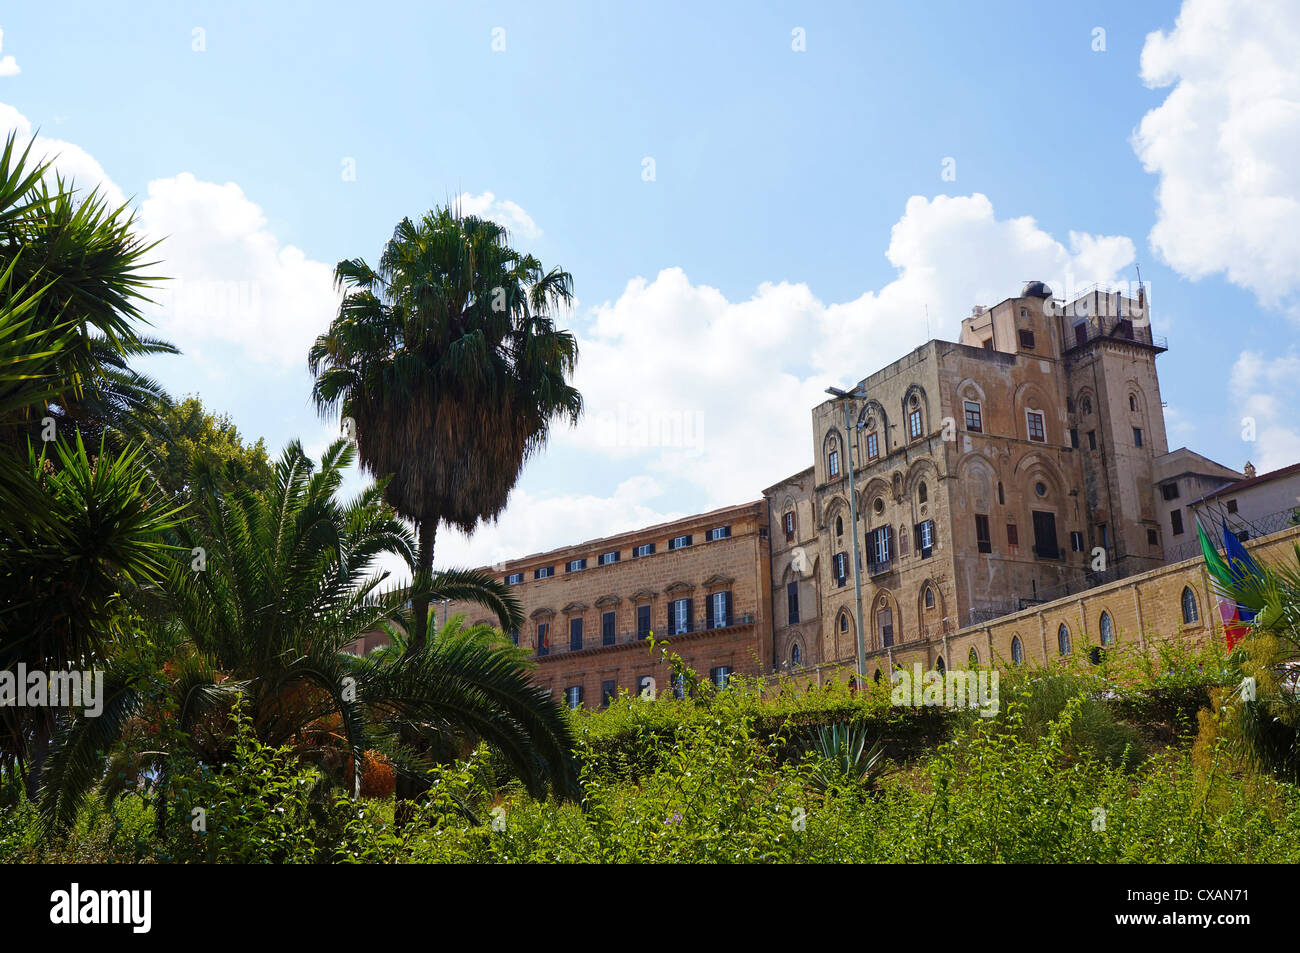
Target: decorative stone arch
(1064, 638)
(874, 411)
(973, 657)
(834, 440)
(1017, 649)
(844, 636)
(835, 505)
(977, 480)
(790, 644)
(1030, 396)
(1085, 397)
(1190, 608)
(921, 403)
(876, 488)
(933, 615)
(882, 600)
(1133, 389)
(969, 389)
(1107, 632)
(1034, 468)
(921, 471)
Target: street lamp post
(847, 397)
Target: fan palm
(284, 583)
(448, 361)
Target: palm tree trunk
(428, 531)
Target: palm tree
(449, 363)
(286, 584)
(89, 265)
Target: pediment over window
(674, 588)
(542, 614)
(644, 595)
(573, 607)
(718, 581)
(605, 602)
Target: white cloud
(232, 279)
(1224, 144)
(717, 394)
(70, 161)
(504, 212)
(8, 65)
(1255, 381)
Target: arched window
(1063, 639)
(1002, 500)
(844, 622)
(1017, 650)
(1107, 629)
(929, 597)
(973, 660)
(922, 494)
(1132, 402)
(796, 657)
(1191, 614)
(833, 457)
(839, 526)
(938, 664)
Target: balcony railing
(627, 637)
(1051, 551)
(879, 567)
(1081, 330)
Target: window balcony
(879, 567)
(1049, 552)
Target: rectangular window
(607, 558)
(1036, 431)
(721, 675)
(788, 519)
(880, 549)
(514, 636)
(1027, 339)
(645, 549)
(679, 616)
(1045, 535)
(925, 538)
(679, 542)
(873, 445)
(575, 635)
(607, 634)
(608, 692)
(1074, 437)
(514, 579)
(543, 638)
(1176, 522)
(1013, 535)
(885, 626)
(1076, 541)
(1103, 534)
(719, 610)
(717, 533)
(1153, 538)
(974, 416)
(914, 424)
(1169, 491)
(573, 565)
(834, 462)
(1232, 506)
(792, 601)
(840, 566)
(1137, 436)
(984, 542)
(643, 622)
(1092, 440)
(573, 695)
(545, 572)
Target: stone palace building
(1015, 497)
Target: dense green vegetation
(1061, 775)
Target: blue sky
(795, 232)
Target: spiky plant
(843, 758)
(272, 591)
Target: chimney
(1249, 470)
